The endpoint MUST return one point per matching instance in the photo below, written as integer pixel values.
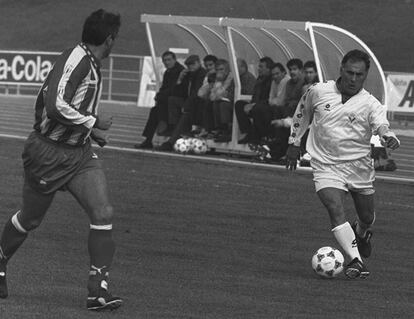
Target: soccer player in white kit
(342, 117)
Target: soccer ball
(199, 146)
(192, 141)
(328, 262)
(182, 146)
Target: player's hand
(292, 157)
(99, 137)
(391, 141)
(103, 122)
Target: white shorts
(356, 176)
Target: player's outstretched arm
(300, 123)
(381, 126)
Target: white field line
(306, 170)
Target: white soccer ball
(192, 141)
(328, 262)
(199, 146)
(182, 146)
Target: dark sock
(10, 241)
(101, 249)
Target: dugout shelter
(252, 39)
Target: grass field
(385, 25)
(204, 240)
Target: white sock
(346, 238)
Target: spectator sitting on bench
(222, 97)
(158, 116)
(202, 116)
(203, 119)
(283, 114)
(245, 109)
(181, 105)
(266, 110)
(247, 79)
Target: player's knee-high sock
(13, 236)
(346, 238)
(101, 249)
(363, 226)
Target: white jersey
(338, 132)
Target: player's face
(168, 61)
(295, 72)
(310, 75)
(353, 75)
(277, 75)
(263, 70)
(221, 72)
(210, 66)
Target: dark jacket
(247, 82)
(292, 96)
(262, 89)
(169, 81)
(190, 84)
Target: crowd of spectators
(198, 100)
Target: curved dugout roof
(252, 39)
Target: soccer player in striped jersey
(58, 155)
(343, 118)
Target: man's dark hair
(222, 62)
(99, 26)
(295, 62)
(355, 56)
(268, 61)
(211, 58)
(310, 64)
(279, 66)
(166, 53)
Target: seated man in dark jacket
(245, 109)
(185, 97)
(158, 116)
(283, 114)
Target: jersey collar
(96, 63)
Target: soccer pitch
(199, 239)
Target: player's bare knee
(103, 215)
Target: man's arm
(61, 91)
(381, 127)
(300, 124)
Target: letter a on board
(409, 95)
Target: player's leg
(333, 199)
(364, 205)
(15, 231)
(90, 190)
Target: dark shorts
(49, 166)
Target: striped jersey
(339, 131)
(67, 104)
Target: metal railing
(121, 76)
